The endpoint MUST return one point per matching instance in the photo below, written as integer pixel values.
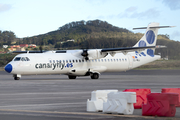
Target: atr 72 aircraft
(88, 62)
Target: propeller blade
(85, 54)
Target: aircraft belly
(78, 71)
(117, 66)
(98, 68)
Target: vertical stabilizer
(150, 36)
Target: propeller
(85, 47)
(85, 54)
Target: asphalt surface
(54, 97)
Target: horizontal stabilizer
(154, 27)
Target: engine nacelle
(96, 54)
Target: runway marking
(51, 93)
(43, 104)
(80, 113)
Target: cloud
(172, 4)
(96, 2)
(131, 9)
(132, 12)
(5, 7)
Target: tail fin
(150, 36)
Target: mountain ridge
(90, 34)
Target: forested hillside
(79, 31)
(6, 37)
(91, 34)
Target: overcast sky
(32, 17)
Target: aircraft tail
(150, 37)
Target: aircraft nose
(8, 68)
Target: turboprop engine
(93, 54)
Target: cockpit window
(27, 59)
(21, 59)
(17, 59)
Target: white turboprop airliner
(89, 62)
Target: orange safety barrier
(172, 90)
(160, 104)
(141, 96)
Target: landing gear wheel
(72, 77)
(95, 76)
(16, 78)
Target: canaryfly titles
(53, 66)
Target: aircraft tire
(95, 76)
(16, 78)
(72, 77)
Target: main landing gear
(95, 76)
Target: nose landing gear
(17, 77)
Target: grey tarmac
(54, 97)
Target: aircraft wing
(28, 52)
(43, 51)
